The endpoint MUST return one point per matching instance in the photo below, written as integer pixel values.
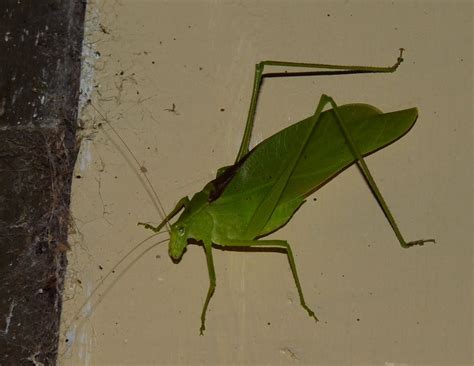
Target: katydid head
(178, 241)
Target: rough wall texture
(40, 50)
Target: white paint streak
(71, 336)
(85, 348)
(84, 335)
(84, 157)
(8, 318)
(37, 38)
(88, 307)
(89, 59)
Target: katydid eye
(181, 231)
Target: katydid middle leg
(212, 284)
(259, 77)
(370, 180)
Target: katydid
(265, 186)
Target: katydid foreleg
(370, 180)
(182, 203)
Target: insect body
(265, 187)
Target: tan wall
(377, 303)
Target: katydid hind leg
(280, 244)
(370, 180)
(259, 76)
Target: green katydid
(265, 186)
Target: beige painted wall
(378, 304)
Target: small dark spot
(116, 323)
(67, 340)
(174, 39)
(121, 72)
(315, 199)
(97, 53)
(148, 148)
(222, 109)
(138, 92)
(153, 62)
(200, 68)
(99, 124)
(78, 176)
(269, 323)
(161, 42)
(342, 275)
(189, 27)
(158, 256)
(100, 267)
(115, 177)
(358, 319)
(172, 109)
(328, 14)
(113, 271)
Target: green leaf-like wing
(325, 155)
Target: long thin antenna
(112, 270)
(154, 196)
